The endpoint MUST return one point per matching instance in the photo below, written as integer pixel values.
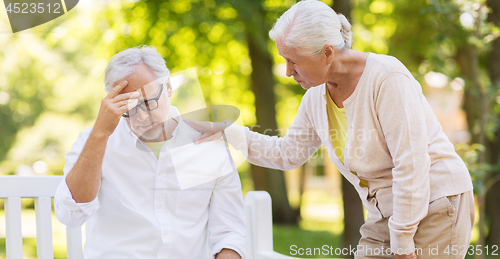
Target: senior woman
(380, 132)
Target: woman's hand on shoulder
(209, 130)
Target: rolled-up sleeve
(226, 222)
(402, 119)
(67, 210)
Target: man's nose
(141, 115)
(290, 70)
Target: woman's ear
(328, 53)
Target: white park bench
(43, 188)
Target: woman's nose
(290, 70)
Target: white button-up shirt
(186, 204)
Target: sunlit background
(51, 87)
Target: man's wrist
(99, 134)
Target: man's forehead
(142, 77)
(143, 89)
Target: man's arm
(226, 218)
(69, 212)
(84, 178)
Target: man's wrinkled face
(153, 105)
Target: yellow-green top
(337, 125)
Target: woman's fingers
(198, 139)
(205, 128)
(207, 137)
(193, 124)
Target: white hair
(310, 25)
(124, 64)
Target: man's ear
(169, 88)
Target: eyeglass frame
(125, 115)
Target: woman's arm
(402, 119)
(288, 152)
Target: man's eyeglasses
(147, 105)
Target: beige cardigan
(394, 143)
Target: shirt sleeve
(284, 153)
(226, 221)
(402, 119)
(67, 210)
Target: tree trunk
(493, 214)
(273, 181)
(304, 174)
(353, 208)
(475, 103)
(467, 60)
(493, 148)
(253, 15)
(353, 214)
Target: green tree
(257, 25)
(353, 207)
(492, 209)
(466, 36)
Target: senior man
(126, 177)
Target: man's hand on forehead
(113, 106)
(143, 95)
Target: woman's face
(308, 71)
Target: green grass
(29, 249)
(284, 237)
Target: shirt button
(159, 206)
(165, 233)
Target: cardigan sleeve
(402, 119)
(285, 153)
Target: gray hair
(310, 25)
(123, 64)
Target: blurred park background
(51, 88)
